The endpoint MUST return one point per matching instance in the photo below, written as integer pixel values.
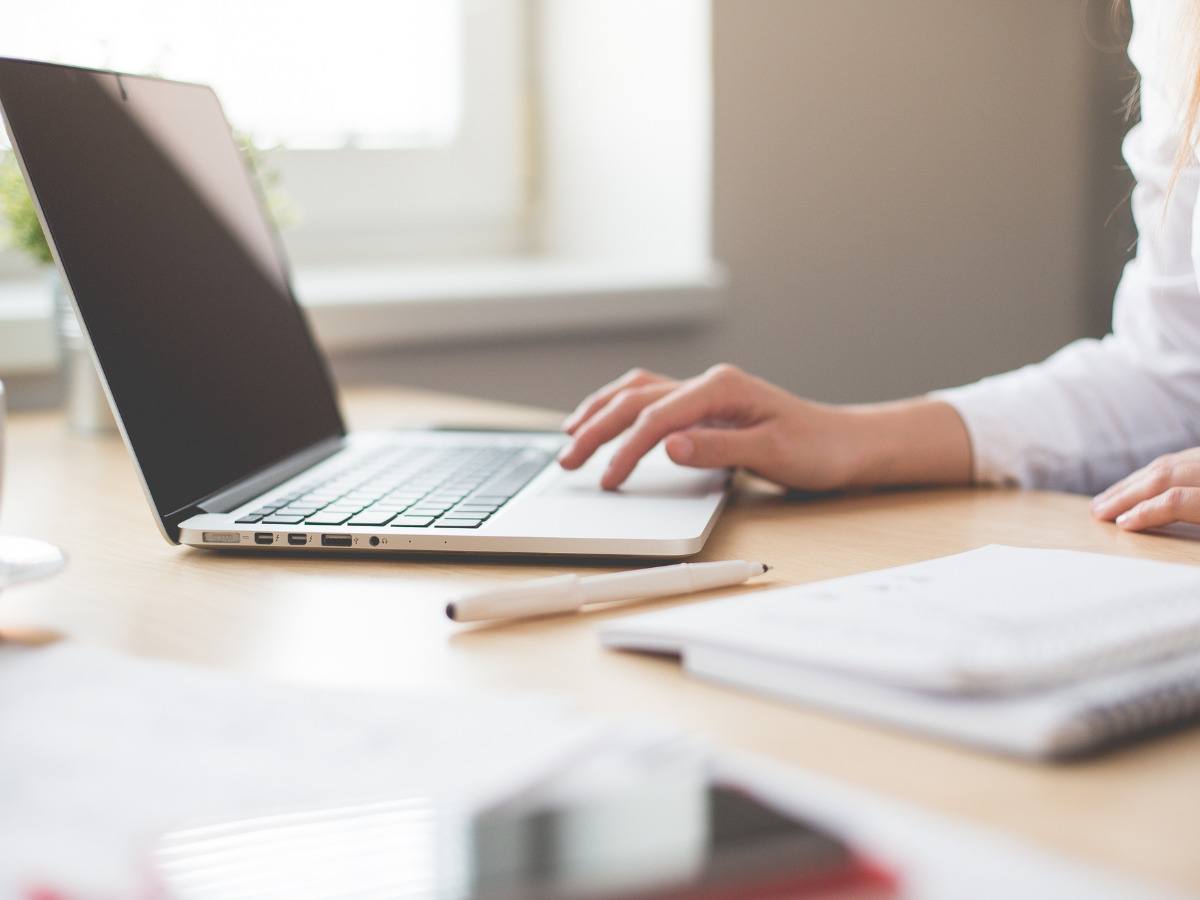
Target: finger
(1117, 487)
(1176, 504)
(597, 400)
(621, 412)
(1129, 492)
(710, 396)
(1148, 482)
(1159, 467)
(714, 448)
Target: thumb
(710, 448)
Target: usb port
(336, 540)
(297, 540)
(264, 537)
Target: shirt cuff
(996, 456)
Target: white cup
(3, 422)
(22, 559)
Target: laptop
(221, 393)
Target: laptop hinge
(239, 492)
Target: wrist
(915, 441)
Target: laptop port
(336, 540)
(297, 540)
(264, 537)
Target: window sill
(355, 308)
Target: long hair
(1190, 110)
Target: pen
(567, 593)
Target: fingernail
(682, 448)
(606, 480)
(1123, 518)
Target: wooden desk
(380, 622)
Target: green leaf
(24, 229)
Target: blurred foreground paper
(100, 755)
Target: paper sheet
(101, 754)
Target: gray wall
(907, 195)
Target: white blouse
(1098, 409)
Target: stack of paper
(1038, 652)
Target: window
(365, 73)
(397, 123)
(561, 148)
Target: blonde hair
(1191, 111)
(1190, 50)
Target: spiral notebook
(1043, 653)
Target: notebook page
(992, 619)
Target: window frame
(468, 197)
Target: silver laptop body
(222, 396)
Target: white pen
(567, 593)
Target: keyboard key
(247, 520)
(298, 510)
(263, 511)
(462, 513)
(373, 518)
(280, 519)
(325, 517)
(377, 508)
(479, 507)
(412, 521)
(458, 523)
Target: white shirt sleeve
(1098, 409)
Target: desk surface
(380, 622)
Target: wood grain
(374, 622)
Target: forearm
(916, 441)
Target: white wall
(625, 116)
(906, 194)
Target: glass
(23, 559)
(360, 73)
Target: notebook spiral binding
(1134, 715)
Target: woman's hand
(1166, 491)
(726, 417)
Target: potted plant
(86, 406)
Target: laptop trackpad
(659, 500)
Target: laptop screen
(176, 272)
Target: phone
(675, 836)
(740, 847)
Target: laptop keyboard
(436, 487)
